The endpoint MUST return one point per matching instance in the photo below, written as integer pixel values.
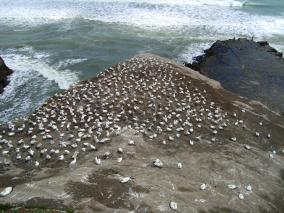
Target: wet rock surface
(76, 150)
(4, 73)
(251, 69)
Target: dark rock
(251, 69)
(4, 73)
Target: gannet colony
(146, 135)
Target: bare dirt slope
(92, 147)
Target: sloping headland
(146, 135)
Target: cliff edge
(146, 135)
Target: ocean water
(52, 44)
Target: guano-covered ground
(143, 136)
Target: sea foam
(32, 81)
(27, 60)
(216, 16)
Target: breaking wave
(222, 16)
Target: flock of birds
(144, 94)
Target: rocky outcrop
(251, 69)
(146, 135)
(4, 73)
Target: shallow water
(52, 44)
